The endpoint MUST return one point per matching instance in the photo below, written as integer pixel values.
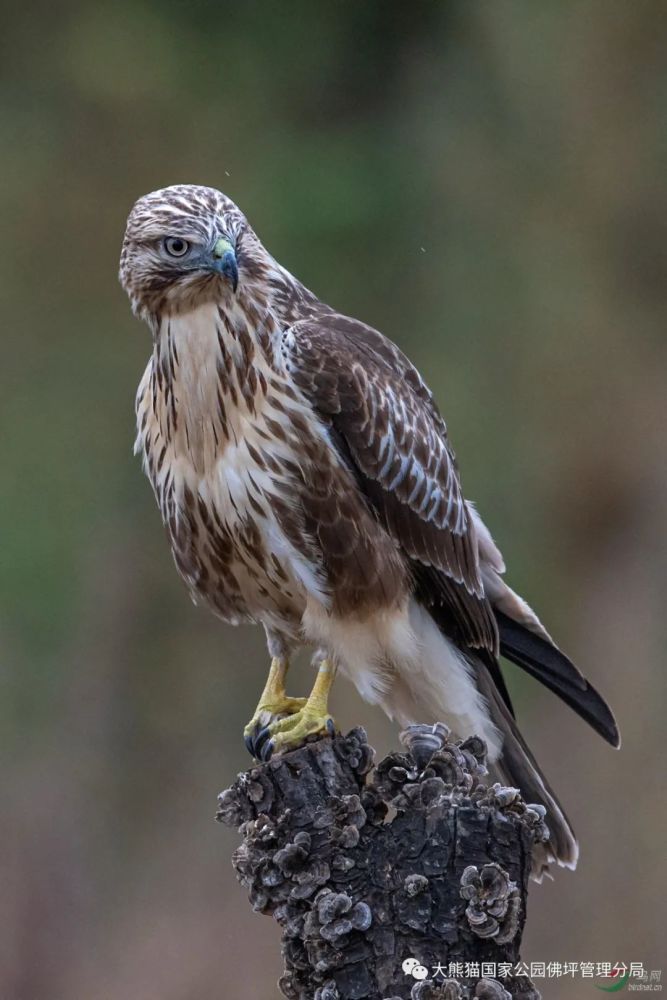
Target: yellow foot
(290, 732)
(266, 713)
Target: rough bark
(365, 868)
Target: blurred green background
(485, 182)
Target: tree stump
(380, 878)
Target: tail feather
(443, 683)
(547, 664)
(516, 766)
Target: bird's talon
(261, 738)
(257, 731)
(287, 734)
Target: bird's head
(183, 245)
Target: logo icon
(412, 967)
(617, 986)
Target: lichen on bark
(363, 868)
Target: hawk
(305, 477)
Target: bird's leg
(311, 719)
(273, 704)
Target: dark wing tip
(601, 717)
(556, 671)
(614, 738)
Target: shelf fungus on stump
(413, 865)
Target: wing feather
(386, 423)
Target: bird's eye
(175, 246)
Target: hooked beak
(222, 260)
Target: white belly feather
(401, 660)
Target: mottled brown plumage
(306, 481)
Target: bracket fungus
(363, 867)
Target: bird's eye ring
(175, 246)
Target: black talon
(249, 745)
(261, 738)
(266, 752)
(331, 727)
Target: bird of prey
(306, 481)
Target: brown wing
(387, 426)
